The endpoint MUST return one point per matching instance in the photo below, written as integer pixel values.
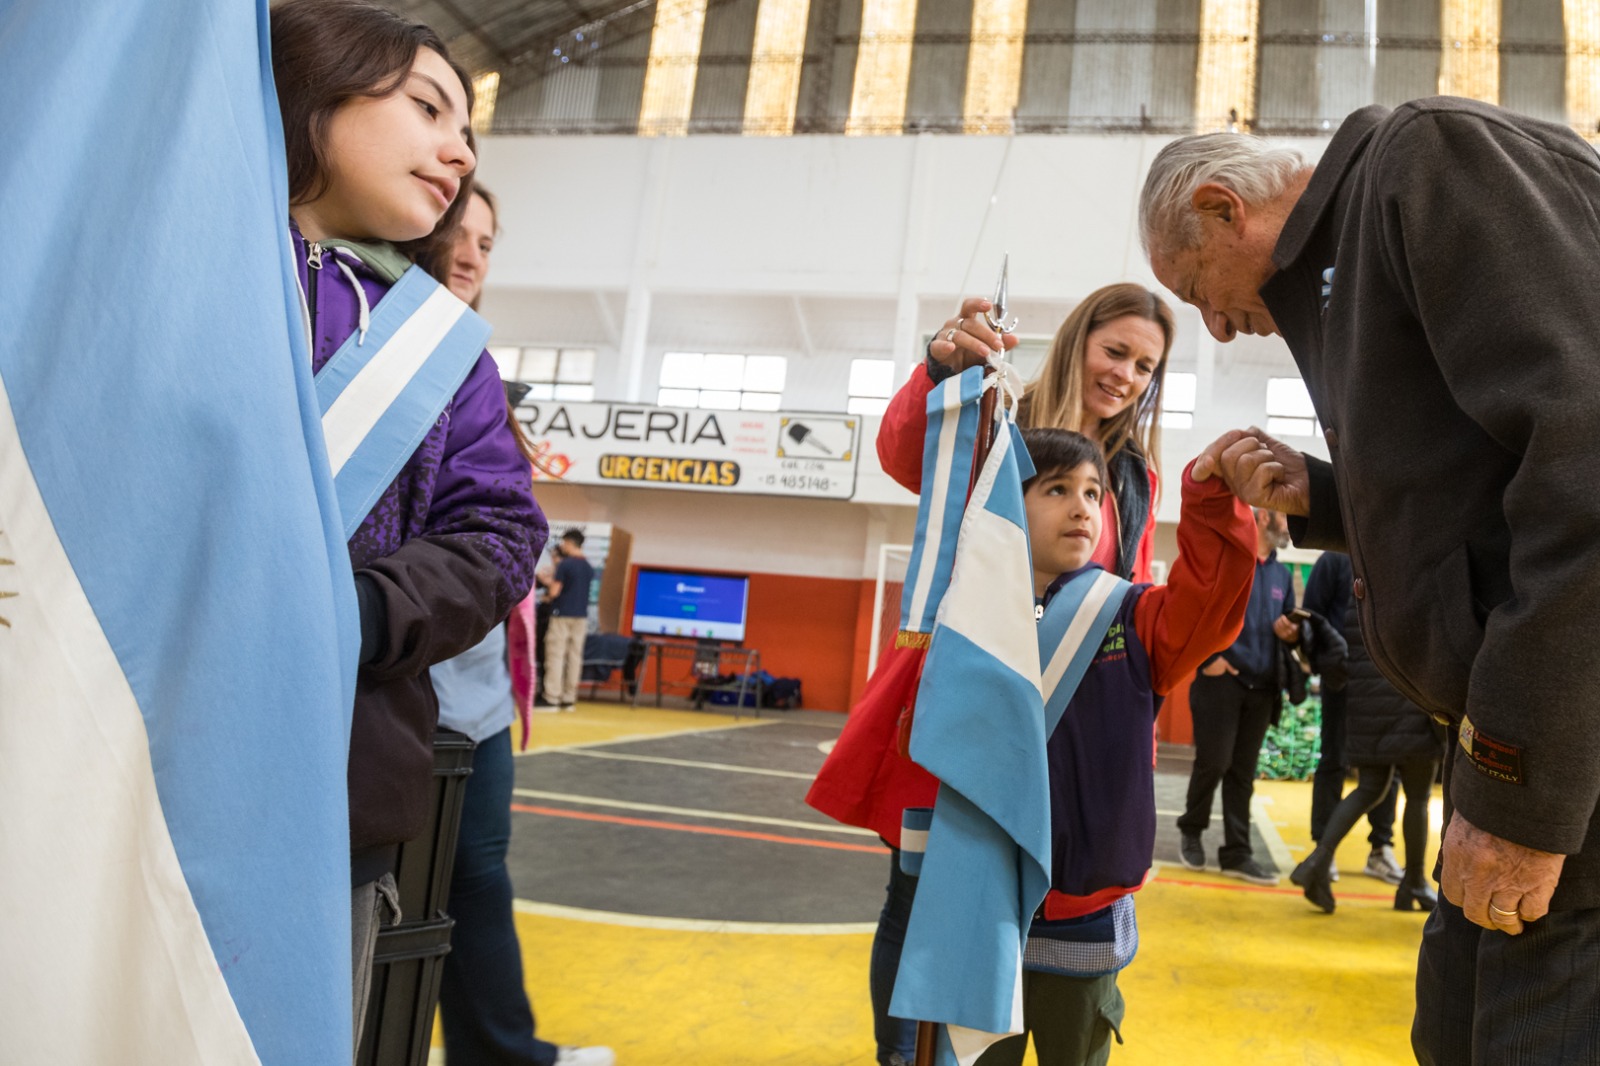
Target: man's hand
(1287, 629)
(1261, 471)
(1497, 884)
(1219, 666)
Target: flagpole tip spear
(996, 316)
(988, 407)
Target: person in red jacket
(1103, 377)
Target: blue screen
(678, 604)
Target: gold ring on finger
(1503, 916)
(950, 335)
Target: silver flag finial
(996, 317)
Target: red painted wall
(806, 627)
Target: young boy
(1102, 753)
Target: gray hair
(1250, 166)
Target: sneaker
(1192, 852)
(1381, 864)
(1333, 874)
(568, 708)
(585, 1056)
(546, 708)
(1250, 871)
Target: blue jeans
(483, 1005)
(895, 1036)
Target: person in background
(1388, 739)
(1328, 595)
(568, 589)
(1235, 697)
(484, 1008)
(1103, 377)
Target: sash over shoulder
(380, 393)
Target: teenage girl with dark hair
(380, 153)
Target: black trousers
(1327, 784)
(1374, 783)
(1230, 721)
(1488, 999)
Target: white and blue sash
(381, 393)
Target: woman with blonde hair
(1103, 378)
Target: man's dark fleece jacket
(1439, 285)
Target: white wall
(822, 249)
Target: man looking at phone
(1234, 698)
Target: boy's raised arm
(1200, 610)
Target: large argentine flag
(979, 728)
(178, 634)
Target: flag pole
(928, 1032)
(996, 320)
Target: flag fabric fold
(178, 627)
(993, 687)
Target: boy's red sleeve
(1200, 610)
(904, 428)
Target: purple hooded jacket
(447, 551)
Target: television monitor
(681, 603)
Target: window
(722, 382)
(1177, 401)
(871, 385)
(1289, 410)
(563, 374)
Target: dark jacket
(1452, 362)
(1382, 727)
(445, 554)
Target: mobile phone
(1300, 614)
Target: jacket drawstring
(365, 319)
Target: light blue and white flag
(178, 644)
(946, 472)
(994, 686)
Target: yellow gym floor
(1226, 972)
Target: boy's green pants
(1072, 1020)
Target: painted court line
(1285, 890)
(691, 812)
(662, 760)
(704, 830)
(634, 738)
(1269, 832)
(693, 925)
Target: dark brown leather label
(1496, 758)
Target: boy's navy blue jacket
(1102, 754)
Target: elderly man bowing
(1437, 277)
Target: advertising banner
(773, 453)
